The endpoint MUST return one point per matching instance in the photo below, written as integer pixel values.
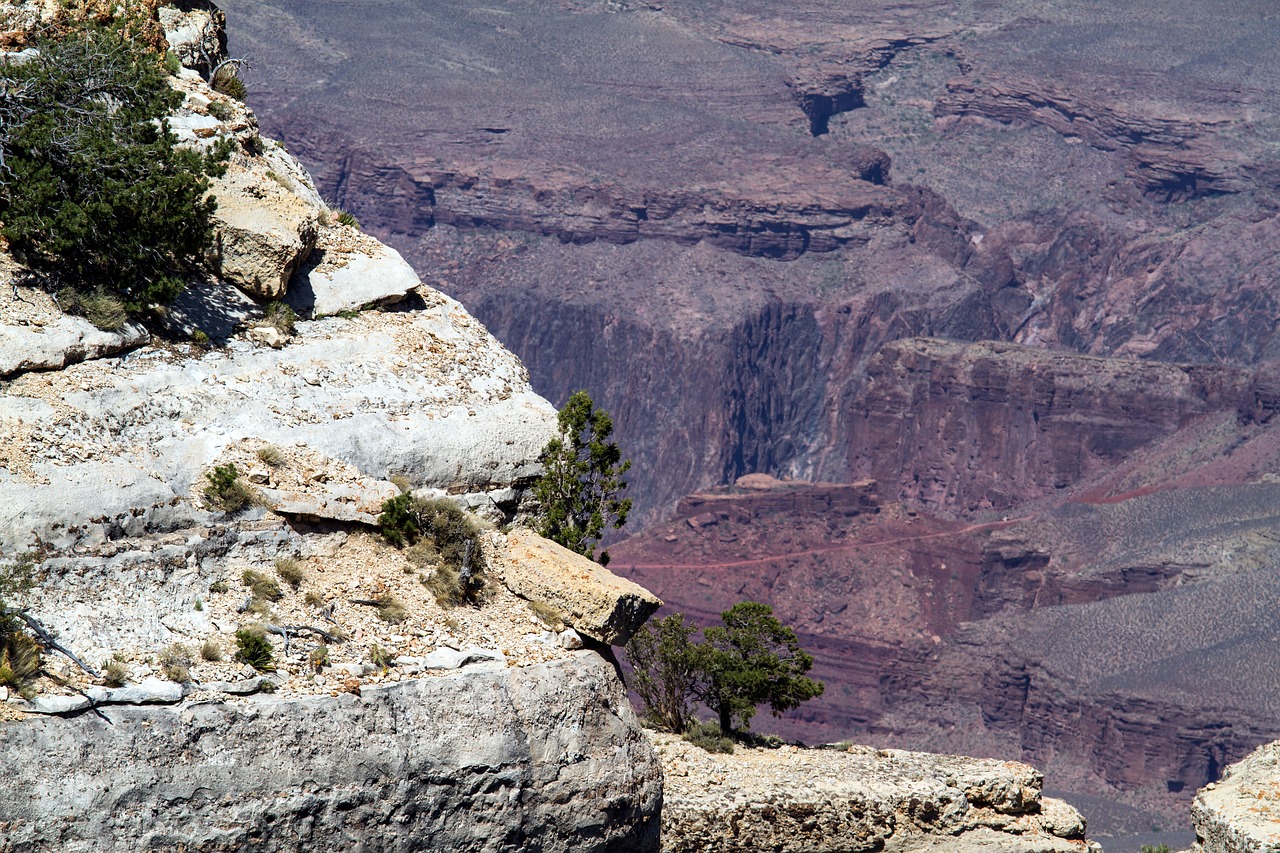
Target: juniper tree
(94, 191)
(581, 486)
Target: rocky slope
(1238, 812)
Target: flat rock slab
(66, 340)
(1241, 812)
(360, 505)
(589, 597)
(793, 799)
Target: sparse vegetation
(348, 219)
(114, 673)
(319, 657)
(175, 663)
(211, 650)
(254, 649)
(261, 586)
(290, 571)
(581, 486)
(392, 611)
(708, 737)
(1154, 848)
(401, 482)
(226, 80)
(280, 317)
(438, 532)
(104, 310)
(225, 490)
(19, 653)
(314, 599)
(218, 587)
(271, 455)
(220, 110)
(548, 615)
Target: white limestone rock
(429, 394)
(500, 755)
(1240, 813)
(323, 286)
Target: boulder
(1241, 812)
(591, 599)
(332, 282)
(263, 229)
(486, 759)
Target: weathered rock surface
(488, 759)
(262, 237)
(333, 280)
(589, 598)
(430, 394)
(1241, 812)
(856, 799)
(62, 341)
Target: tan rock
(592, 600)
(264, 230)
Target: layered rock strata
(488, 759)
(856, 799)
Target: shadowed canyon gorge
(980, 297)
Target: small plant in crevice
(280, 317)
(219, 586)
(319, 657)
(19, 653)
(345, 218)
(220, 110)
(253, 648)
(379, 658)
(225, 490)
(547, 614)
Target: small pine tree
(581, 486)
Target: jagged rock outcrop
(856, 799)
(1240, 813)
(487, 759)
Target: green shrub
(379, 658)
(227, 81)
(262, 586)
(253, 648)
(219, 586)
(398, 522)
(319, 657)
(348, 219)
(95, 193)
(708, 737)
(438, 531)
(281, 317)
(225, 490)
(220, 110)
